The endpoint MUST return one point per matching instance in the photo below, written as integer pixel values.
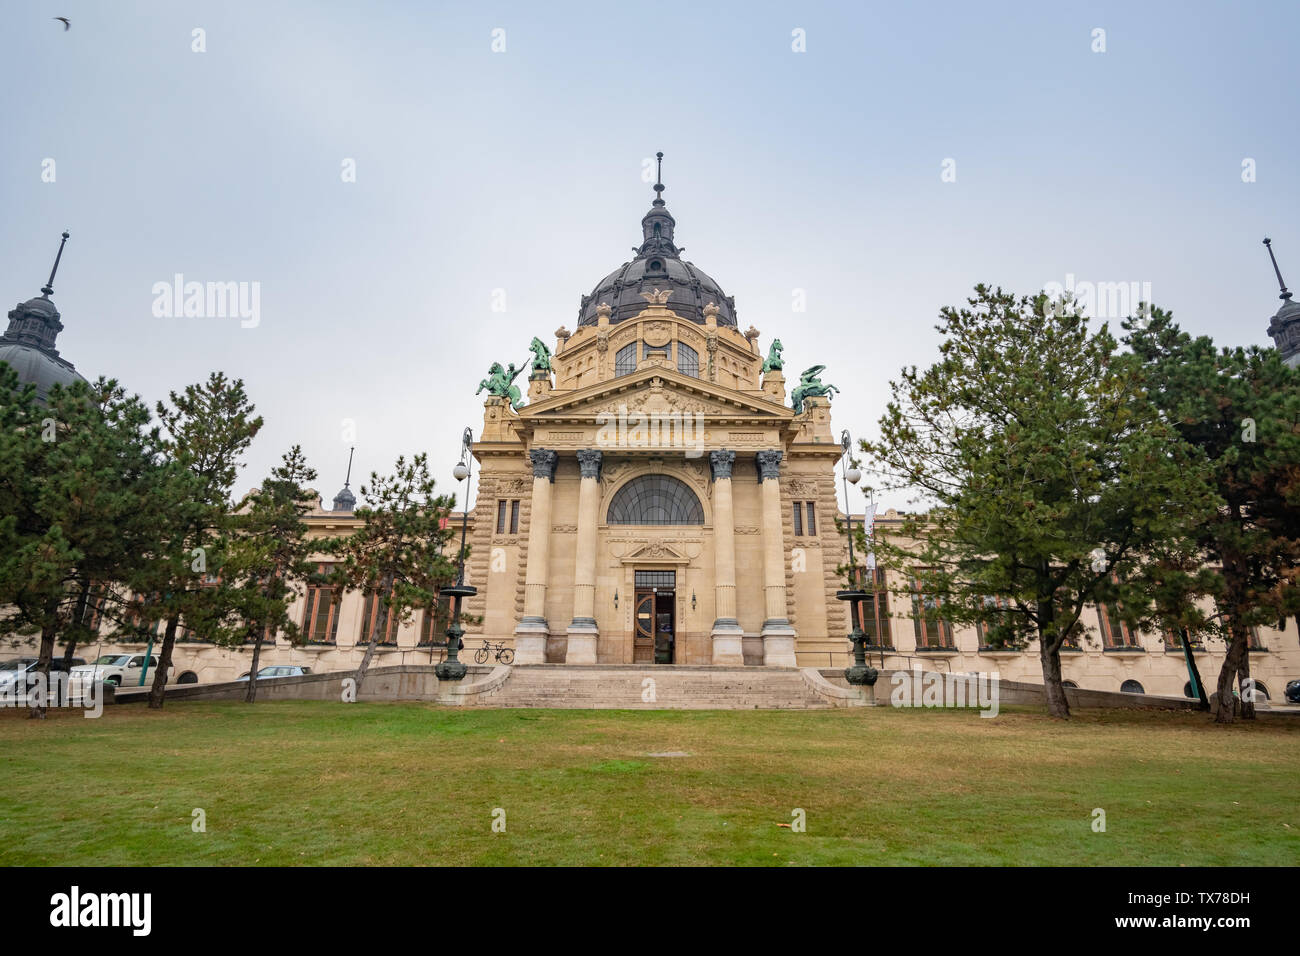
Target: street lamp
(452, 668)
(861, 673)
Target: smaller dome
(41, 304)
(345, 500)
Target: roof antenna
(1285, 294)
(659, 175)
(48, 288)
(348, 479)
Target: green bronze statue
(810, 386)
(541, 355)
(773, 361)
(499, 382)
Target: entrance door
(643, 641)
(655, 618)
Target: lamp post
(452, 668)
(861, 673)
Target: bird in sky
(67, 24)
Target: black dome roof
(658, 265)
(28, 347)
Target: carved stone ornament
(589, 462)
(768, 463)
(544, 462)
(722, 462)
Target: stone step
(622, 687)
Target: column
(582, 632)
(728, 643)
(778, 635)
(532, 629)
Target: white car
(120, 670)
(279, 670)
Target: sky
(843, 170)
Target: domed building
(1284, 328)
(28, 344)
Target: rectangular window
(930, 628)
(320, 617)
(433, 625)
(798, 519)
(1254, 642)
(1114, 632)
(985, 629)
(514, 517)
(875, 609)
(501, 516)
(812, 518)
(388, 626)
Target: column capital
(544, 462)
(767, 463)
(721, 461)
(589, 462)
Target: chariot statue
(773, 361)
(541, 355)
(499, 382)
(810, 386)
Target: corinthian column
(532, 630)
(582, 631)
(778, 635)
(728, 644)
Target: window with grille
(514, 517)
(874, 609)
(986, 629)
(655, 499)
(625, 360)
(434, 623)
(811, 524)
(798, 518)
(656, 579)
(688, 360)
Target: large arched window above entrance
(655, 499)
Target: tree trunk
(1049, 652)
(156, 693)
(1243, 675)
(1232, 663)
(256, 633)
(43, 668)
(1054, 691)
(1193, 671)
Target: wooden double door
(655, 619)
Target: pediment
(659, 391)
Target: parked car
(279, 670)
(1293, 691)
(120, 670)
(17, 673)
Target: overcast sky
(521, 170)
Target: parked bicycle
(504, 654)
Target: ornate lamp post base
(452, 668)
(861, 674)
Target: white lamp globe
(854, 475)
(461, 471)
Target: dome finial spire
(659, 179)
(1276, 271)
(348, 480)
(48, 288)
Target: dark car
(1293, 691)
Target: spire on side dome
(345, 500)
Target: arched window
(688, 360)
(655, 499)
(625, 360)
(1069, 683)
(1131, 687)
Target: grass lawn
(307, 782)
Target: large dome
(658, 265)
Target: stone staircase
(655, 687)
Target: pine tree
(398, 553)
(1240, 408)
(1048, 475)
(269, 558)
(205, 431)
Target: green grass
(305, 782)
